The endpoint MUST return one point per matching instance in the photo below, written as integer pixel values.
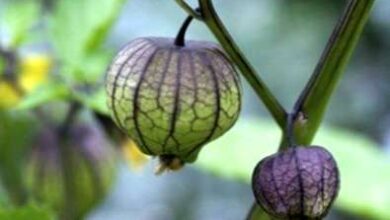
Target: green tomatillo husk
(172, 100)
(72, 173)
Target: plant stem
(213, 22)
(310, 108)
(10, 58)
(10, 70)
(180, 37)
(313, 101)
(71, 115)
(189, 9)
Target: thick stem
(189, 9)
(314, 99)
(11, 67)
(289, 132)
(74, 109)
(212, 20)
(311, 105)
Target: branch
(213, 22)
(74, 108)
(189, 9)
(11, 63)
(312, 103)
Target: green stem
(213, 22)
(189, 9)
(312, 103)
(310, 108)
(74, 108)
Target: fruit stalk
(180, 38)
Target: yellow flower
(9, 97)
(34, 71)
(135, 158)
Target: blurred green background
(64, 47)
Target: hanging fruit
(173, 96)
(299, 183)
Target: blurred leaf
(16, 130)
(95, 100)
(95, 65)
(44, 94)
(258, 213)
(364, 169)
(2, 66)
(17, 26)
(78, 30)
(29, 212)
(4, 202)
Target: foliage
(78, 39)
(31, 212)
(15, 131)
(18, 26)
(71, 73)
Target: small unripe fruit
(172, 100)
(70, 174)
(299, 183)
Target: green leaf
(78, 29)
(2, 66)
(44, 94)
(15, 25)
(4, 202)
(96, 100)
(365, 176)
(16, 129)
(30, 212)
(258, 213)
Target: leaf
(30, 212)
(78, 29)
(16, 130)
(258, 213)
(2, 66)
(364, 169)
(44, 94)
(95, 100)
(15, 25)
